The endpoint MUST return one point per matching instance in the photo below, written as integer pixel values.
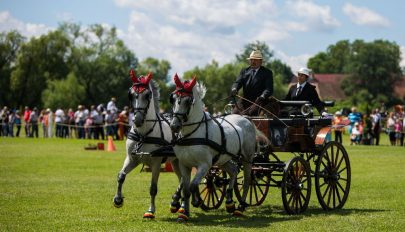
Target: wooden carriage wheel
(332, 176)
(258, 189)
(296, 185)
(213, 188)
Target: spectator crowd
(99, 122)
(366, 128)
(96, 122)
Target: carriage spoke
(330, 194)
(326, 191)
(337, 155)
(340, 186)
(340, 162)
(334, 195)
(289, 199)
(342, 170)
(299, 199)
(338, 194)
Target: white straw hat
(255, 55)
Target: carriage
(231, 145)
(314, 156)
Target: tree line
(73, 65)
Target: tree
(67, 93)
(370, 66)
(10, 44)
(335, 60)
(101, 64)
(160, 71)
(39, 60)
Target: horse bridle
(134, 93)
(182, 94)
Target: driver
(257, 83)
(303, 91)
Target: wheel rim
(296, 186)
(332, 176)
(213, 187)
(258, 188)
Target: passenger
(257, 83)
(303, 91)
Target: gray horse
(146, 140)
(205, 141)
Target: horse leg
(175, 204)
(247, 172)
(184, 212)
(232, 169)
(129, 165)
(155, 166)
(195, 192)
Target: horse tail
(261, 139)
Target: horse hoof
(182, 218)
(174, 207)
(118, 202)
(181, 210)
(238, 213)
(149, 215)
(197, 203)
(230, 207)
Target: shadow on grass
(315, 211)
(260, 217)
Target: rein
(264, 109)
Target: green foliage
(281, 70)
(160, 72)
(217, 80)
(10, 44)
(67, 93)
(372, 68)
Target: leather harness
(220, 148)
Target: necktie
(298, 90)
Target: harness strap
(142, 139)
(220, 148)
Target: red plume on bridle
(184, 88)
(139, 83)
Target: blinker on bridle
(183, 89)
(139, 86)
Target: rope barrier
(77, 126)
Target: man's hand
(234, 91)
(324, 114)
(260, 100)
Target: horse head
(140, 96)
(182, 99)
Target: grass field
(55, 185)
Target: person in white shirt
(58, 121)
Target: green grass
(54, 184)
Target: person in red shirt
(27, 113)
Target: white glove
(325, 114)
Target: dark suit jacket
(260, 85)
(308, 93)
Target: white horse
(149, 135)
(204, 141)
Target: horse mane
(156, 95)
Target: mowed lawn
(56, 185)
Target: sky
(190, 33)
